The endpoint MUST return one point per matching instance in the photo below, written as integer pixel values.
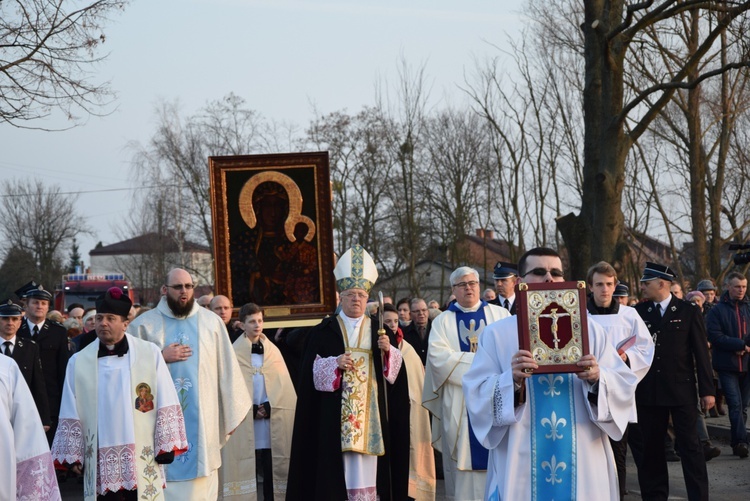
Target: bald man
(208, 380)
(222, 306)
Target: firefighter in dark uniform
(26, 354)
(505, 276)
(669, 388)
(52, 340)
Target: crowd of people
(185, 402)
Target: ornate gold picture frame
(273, 235)
(552, 324)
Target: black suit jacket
(497, 302)
(681, 354)
(52, 341)
(26, 355)
(420, 345)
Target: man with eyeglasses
(209, 383)
(453, 343)
(547, 433)
(351, 426)
(417, 333)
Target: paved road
(729, 476)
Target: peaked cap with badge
(654, 271)
(504, 270)
(355, 270)
(10, 309)
(37, 292)
(621, 290)
(21, 291)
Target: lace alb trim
(68, 444)
(326, 375)
(170, 430)
(35, 479)
(116, 469)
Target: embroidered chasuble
(118, 413)
(360, 421)
(324, 464)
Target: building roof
(149, 243)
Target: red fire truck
(84, 288)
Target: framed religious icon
(273, 235)
(552, 324)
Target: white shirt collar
(32, 324)
(664, 304)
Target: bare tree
(178, 155)
(48, 49)
(615, 117)
(40, 220)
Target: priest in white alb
(27, 471)
(453, 342)
(209, 383)
(547, 433)
(120, 417)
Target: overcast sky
(279, 55)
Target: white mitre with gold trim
(355, 270)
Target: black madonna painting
(272, 232)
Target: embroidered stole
(553, 437)
(469, 325)
(360, 419)
(142, 370)
(187, 384)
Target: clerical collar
(119, 349)
(592, 308)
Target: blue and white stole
(469, 325)
(553, 437)
(185, 376)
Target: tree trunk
(595, 234)
(697, 159)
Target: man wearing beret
(669, 388)
(120, 416)
(52, 340)
(26, 354)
